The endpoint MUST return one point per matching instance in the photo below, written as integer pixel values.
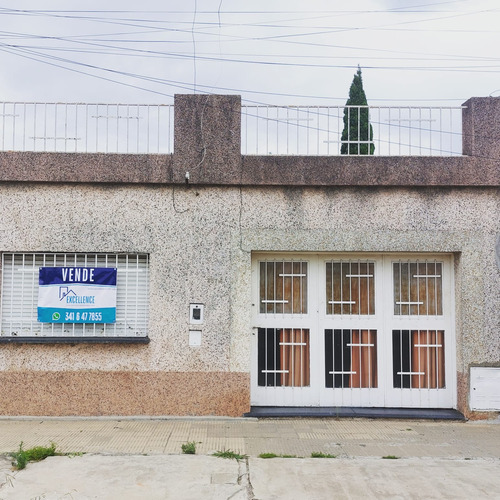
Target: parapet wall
(207, 137)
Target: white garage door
(353, 330)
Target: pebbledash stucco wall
(200, 238)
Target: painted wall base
(97, 393)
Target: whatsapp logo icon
(56, 316)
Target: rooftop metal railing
(318, 130)
(266, 130)
(86, 128)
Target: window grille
(350, 287)
(19, 295)
(283, 357)
(283, 287)
(418, 289)
(418, 359)
(350, 358)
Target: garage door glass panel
(350, 287)
(418, 359)
(418, 289)
(283, 357)
(350, 358)
(283, 287)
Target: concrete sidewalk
(346, 438)
(137, 457)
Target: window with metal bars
(19, 295)
(350, 358)
(418, 359)
(283, 287)
(350, 287)
(283, 357)
(418, 288)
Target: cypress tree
(357, 125)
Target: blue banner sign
(77, 295)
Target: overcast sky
(272, 51)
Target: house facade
(249, 281)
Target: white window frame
(19, 295)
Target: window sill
(74, 340)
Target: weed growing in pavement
(319, 454)
(229, 454)
(274, 455)
(189, 448)
(35, 454)
(391, 457)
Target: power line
(202, 32)
(194, 46)
(179, 84)
(149, 52)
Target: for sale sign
(77, 295)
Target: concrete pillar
(481, 127)
(207, 138)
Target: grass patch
(390, 457)
(229, 454)
(319, 454)
(35, 454)
(189, 448)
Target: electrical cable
(123, 51)
(194, 47)
(185, 86)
